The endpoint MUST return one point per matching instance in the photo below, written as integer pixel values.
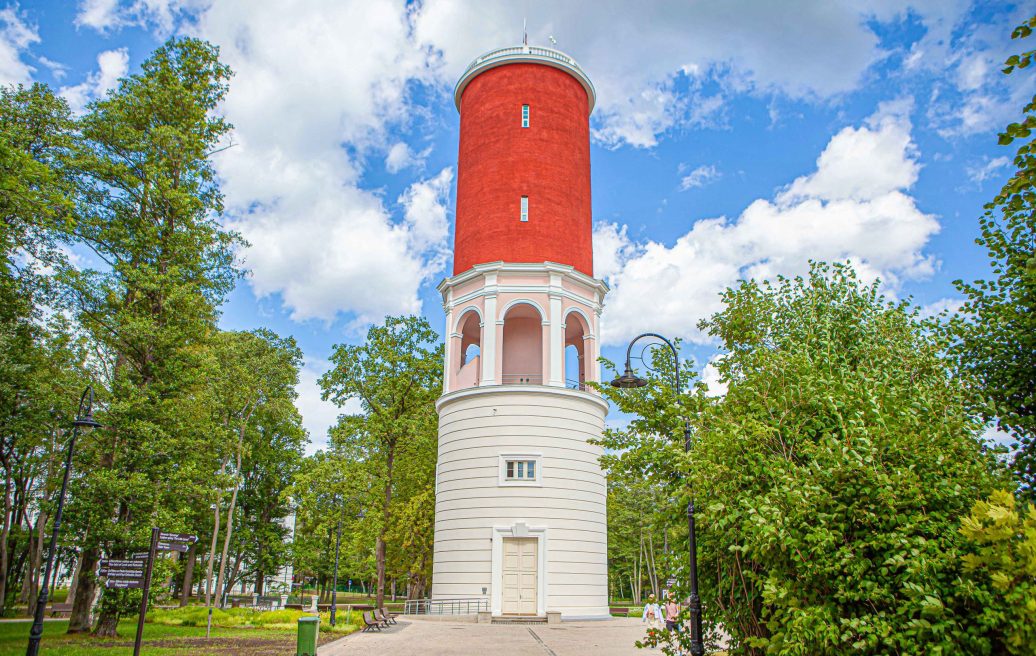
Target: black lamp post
(626, 381)
(84, 419)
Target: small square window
(521, 470)
(525, 116)
(524, 215)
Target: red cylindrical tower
(523, 172)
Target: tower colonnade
(511, 324)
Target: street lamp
(629, 380)
(84, 419)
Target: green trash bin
(309, 630)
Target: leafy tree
(396, 375)
(1000, 565)
(832, 476)
(997, 324)
(837, 467)
(253, 385)
(41, 360)
(147, 208)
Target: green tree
(996, 328)
(396, 375)
(148, 207)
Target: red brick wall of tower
(500, 161)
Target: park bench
(382, 615)
(61, 610)
(369, 623)
(619, 612)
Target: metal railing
(576, 385)
(526, 50)
(446, 606)
(521, 379)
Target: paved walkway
(613, 637)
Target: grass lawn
(159, 640)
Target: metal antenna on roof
(525, 32)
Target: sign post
(148, 568)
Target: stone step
(519, 619)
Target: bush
(245, 617)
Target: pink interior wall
(523, 348)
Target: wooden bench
(369, 623)
(61, 610)
(384, 617)
(619, 612)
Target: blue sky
(731, 139)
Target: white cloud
(400, 156)
(987, 169)
(864, 163)
(846, 209)
(425, 205)
(112, 15)
(57, 69)
(935, 308)
(301, 91)
(612, 247)
(710, 375)
(699, 177)
(101, 15)
(111, 66)
(16, 36)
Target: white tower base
(506, 540)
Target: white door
(519, 585)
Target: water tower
(520, 508)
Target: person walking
(671, 610)
(652, 613)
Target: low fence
(446, 606)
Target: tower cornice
(525, 54)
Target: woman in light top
(652, 613)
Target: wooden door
(519, 572)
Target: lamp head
(87, 421)
(85, 416)
(628, 380)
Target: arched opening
(576, 364)
(522, 346)
(469, 367)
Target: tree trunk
(233, 576)
(260, 578)
(75, 579)
(107, 625)
(188, 574)
(212, 549)
(5, 534)
(34, 571)
(86, 589)
(230, 516)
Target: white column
(448, 336)
(557, 341)
(489, 339)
